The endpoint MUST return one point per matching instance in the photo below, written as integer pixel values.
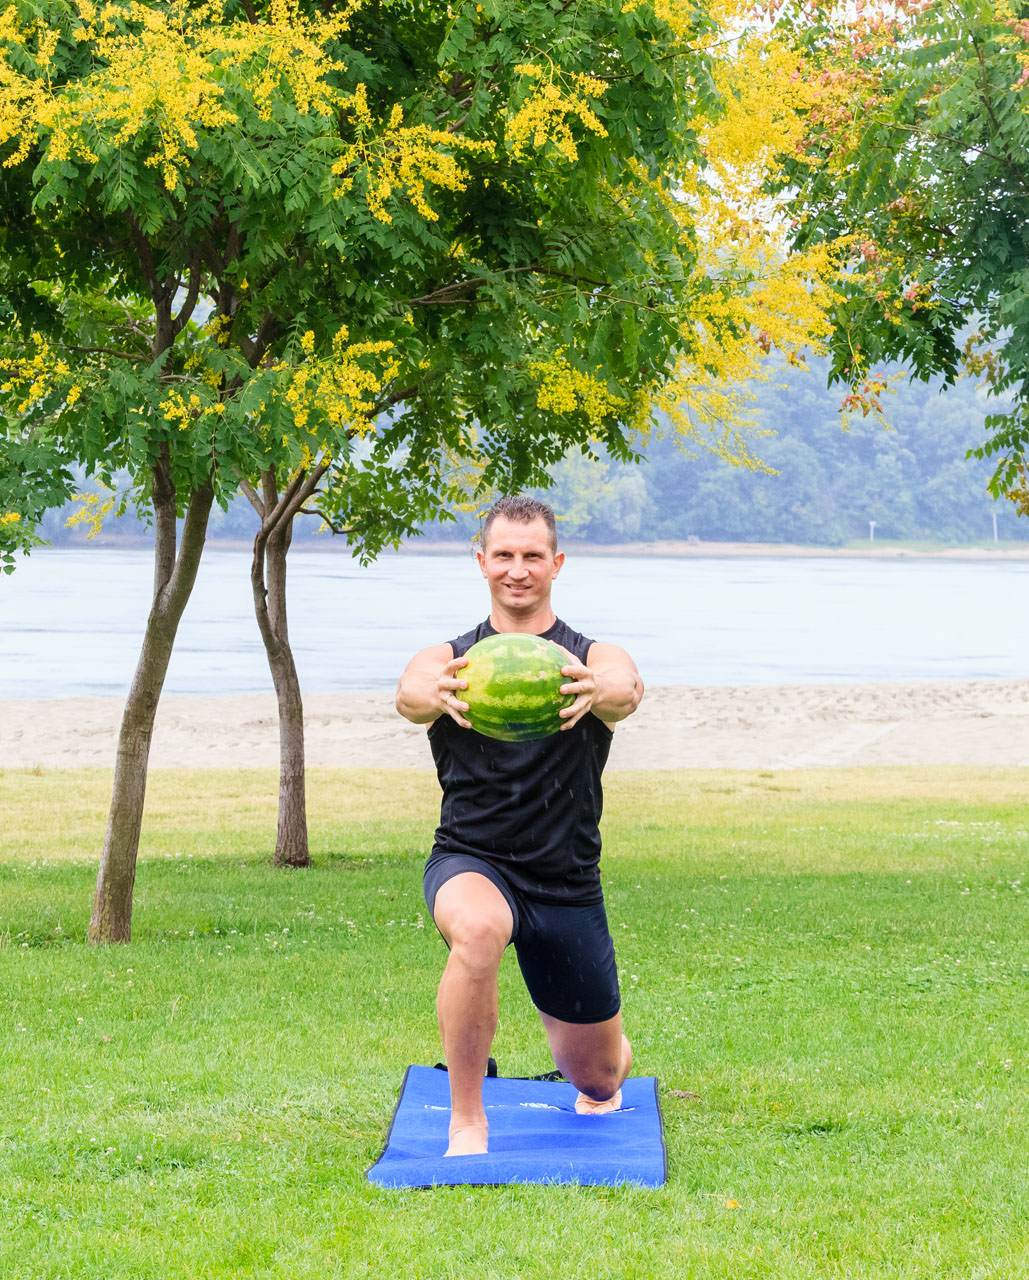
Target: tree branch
(395, 397)
(279, 508)
(107, 351)
(192, 294)
(987, 100)
(959, 144)
(159, 291)
(269, 492)
(194, 530)
(265, 333)
(336, 528)
(306, 490)
(458, 290)
(250, 493)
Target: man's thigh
(470, 909)
(567, 959)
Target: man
(516, 852)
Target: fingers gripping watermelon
(513, 682)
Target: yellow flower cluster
(162, 72)
(398, 158)
(93, 511)
(36, 375)
(293, 53)
(764, 81)
(547, 113)
(335, 391)
(181, 411)
(748, 292)
(10, 517)
(563, 389)
(780, 301)
(165, 74)
(679, 16)
(337, 386)
(219, 326)
(20, 95)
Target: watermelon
(513, 682)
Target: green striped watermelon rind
(513, 687)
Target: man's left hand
(610, 686)
(583, 683)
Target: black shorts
(564, 951)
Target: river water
(71, 620)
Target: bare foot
(587, 1106)
(469, 1140)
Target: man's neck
(535, 624)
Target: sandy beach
(788, 727)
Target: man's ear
(559, 559)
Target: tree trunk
(174, 576)
(268, 581)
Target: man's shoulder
(574, 641)
(461, 644)
(559, 631)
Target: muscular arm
(430, 687)
(619, 687)
(608, 685)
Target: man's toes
(587, 1106)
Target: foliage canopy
(917, 150)
(335, 239)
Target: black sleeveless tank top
(531, 809)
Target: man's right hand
(430, 687)
(448, 687)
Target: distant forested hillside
(914, 480)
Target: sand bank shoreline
(695, 547)
(758, 550)
(746, 727)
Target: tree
(136, 339)
(375, 256)
(917, 151)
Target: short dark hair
(523, 510)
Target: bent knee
(600, 1075)
(474, 918)
(479, 943)
(600, 1082)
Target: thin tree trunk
(268, 582)
(174, 576)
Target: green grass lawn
(827, 971)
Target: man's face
(519, 564)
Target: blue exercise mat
(534, 1136)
